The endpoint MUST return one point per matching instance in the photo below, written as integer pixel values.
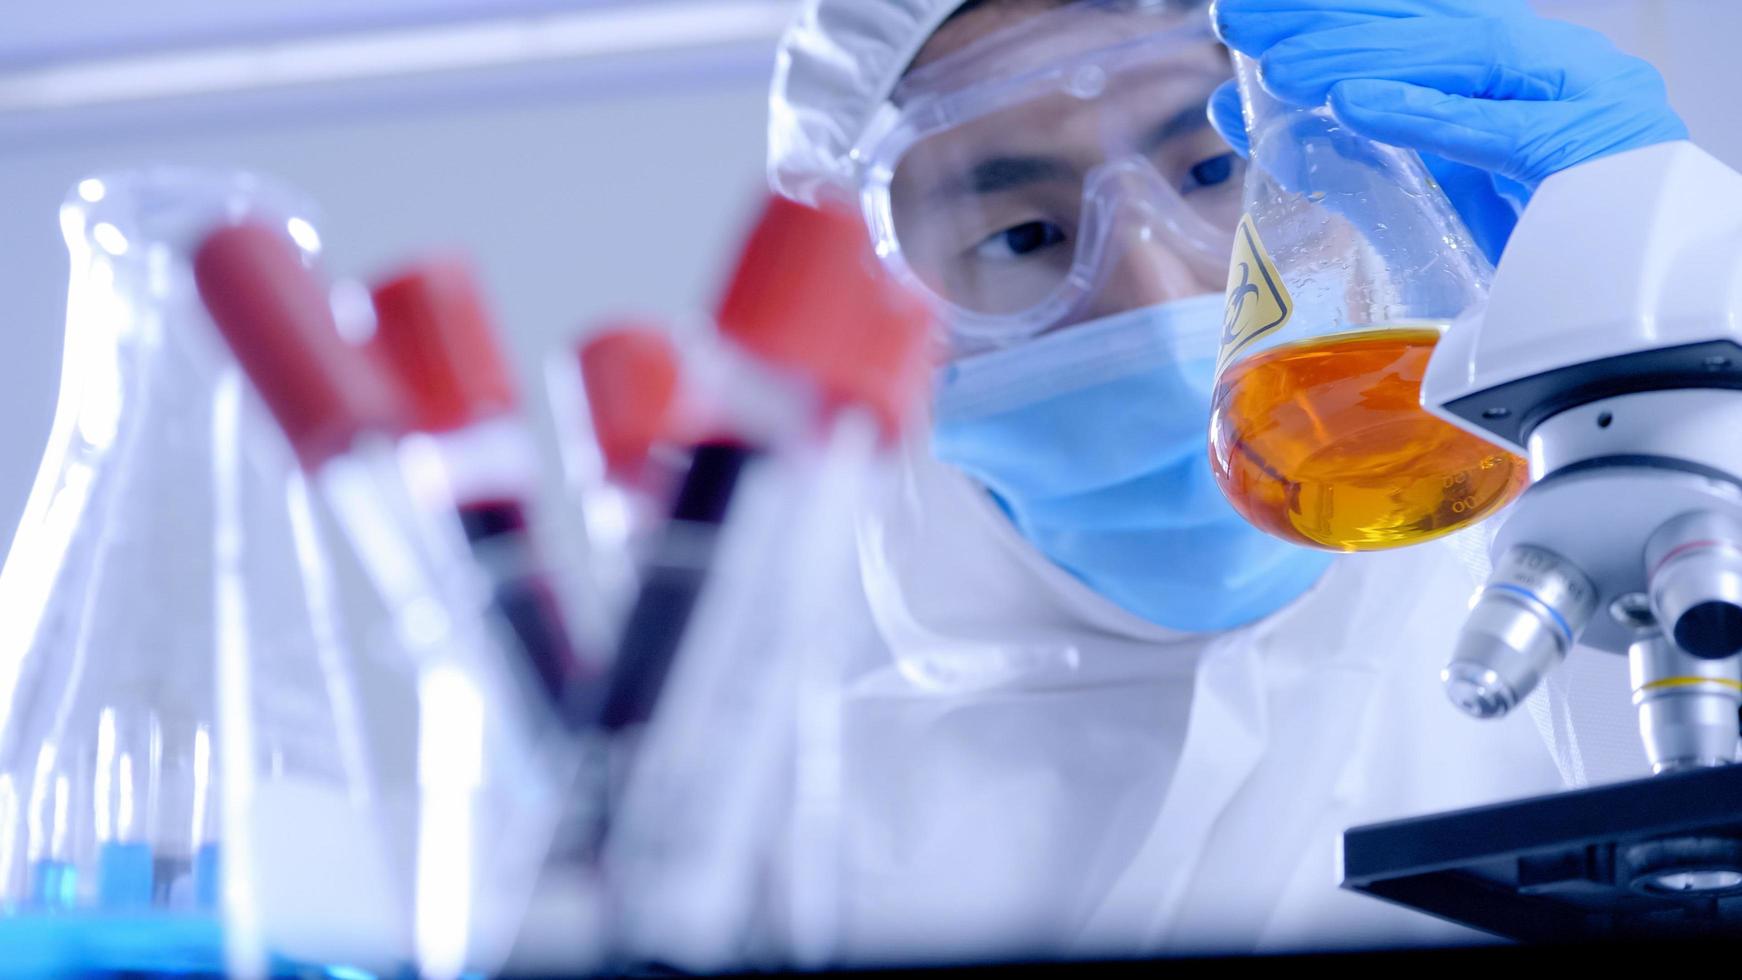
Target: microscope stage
(1647, 858)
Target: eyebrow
(999, 174)
(1188, 120)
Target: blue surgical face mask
(1094, 439)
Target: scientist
(1104, 715)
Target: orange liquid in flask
(1324, 442)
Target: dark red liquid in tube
(434, 332)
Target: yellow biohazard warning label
(1258, 302)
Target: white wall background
(618, 188)
(40, 32)
(582, 189)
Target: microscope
(1610, 356)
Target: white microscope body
(1610, 355)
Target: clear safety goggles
(1059, 170)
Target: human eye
(1020, 241)
(1211, 172)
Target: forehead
(963, 30)
(1002, 36)
(1017, 64)
(1146, 110)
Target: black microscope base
(1610, 862)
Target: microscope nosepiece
(1522, 625)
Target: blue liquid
(129, 878)
(125, 934)
(73, 943)
(124, 876)
(207, 877)
(144, 944)
(54, 885)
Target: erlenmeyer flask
(182, 743)
(1347, 267)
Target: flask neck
(1258, 107)
(133, 313)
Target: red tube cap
(273, 313)
(434, 332)
(631, 375)
(809, 296)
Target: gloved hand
(1494, 97)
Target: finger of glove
(1254, 26)
(1525, 142)
(1481, 133)
(1482, 57)
(1228, 119)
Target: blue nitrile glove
(1494, 97)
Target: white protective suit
(1030, 770)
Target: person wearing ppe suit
(1105, 716)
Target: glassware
(1348, 265)
(183, 737)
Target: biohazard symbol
(1258, 302)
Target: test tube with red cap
(434, 334)
(340, 411)
(819, 361)
(826, 336)
(617, 401)
(806, 301)
(810, 299)
(632, 378)
(481, 775)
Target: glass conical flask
(1348, 265)
(182, 739)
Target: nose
(1140, 269)
(1144, 259)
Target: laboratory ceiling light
(597, 32)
